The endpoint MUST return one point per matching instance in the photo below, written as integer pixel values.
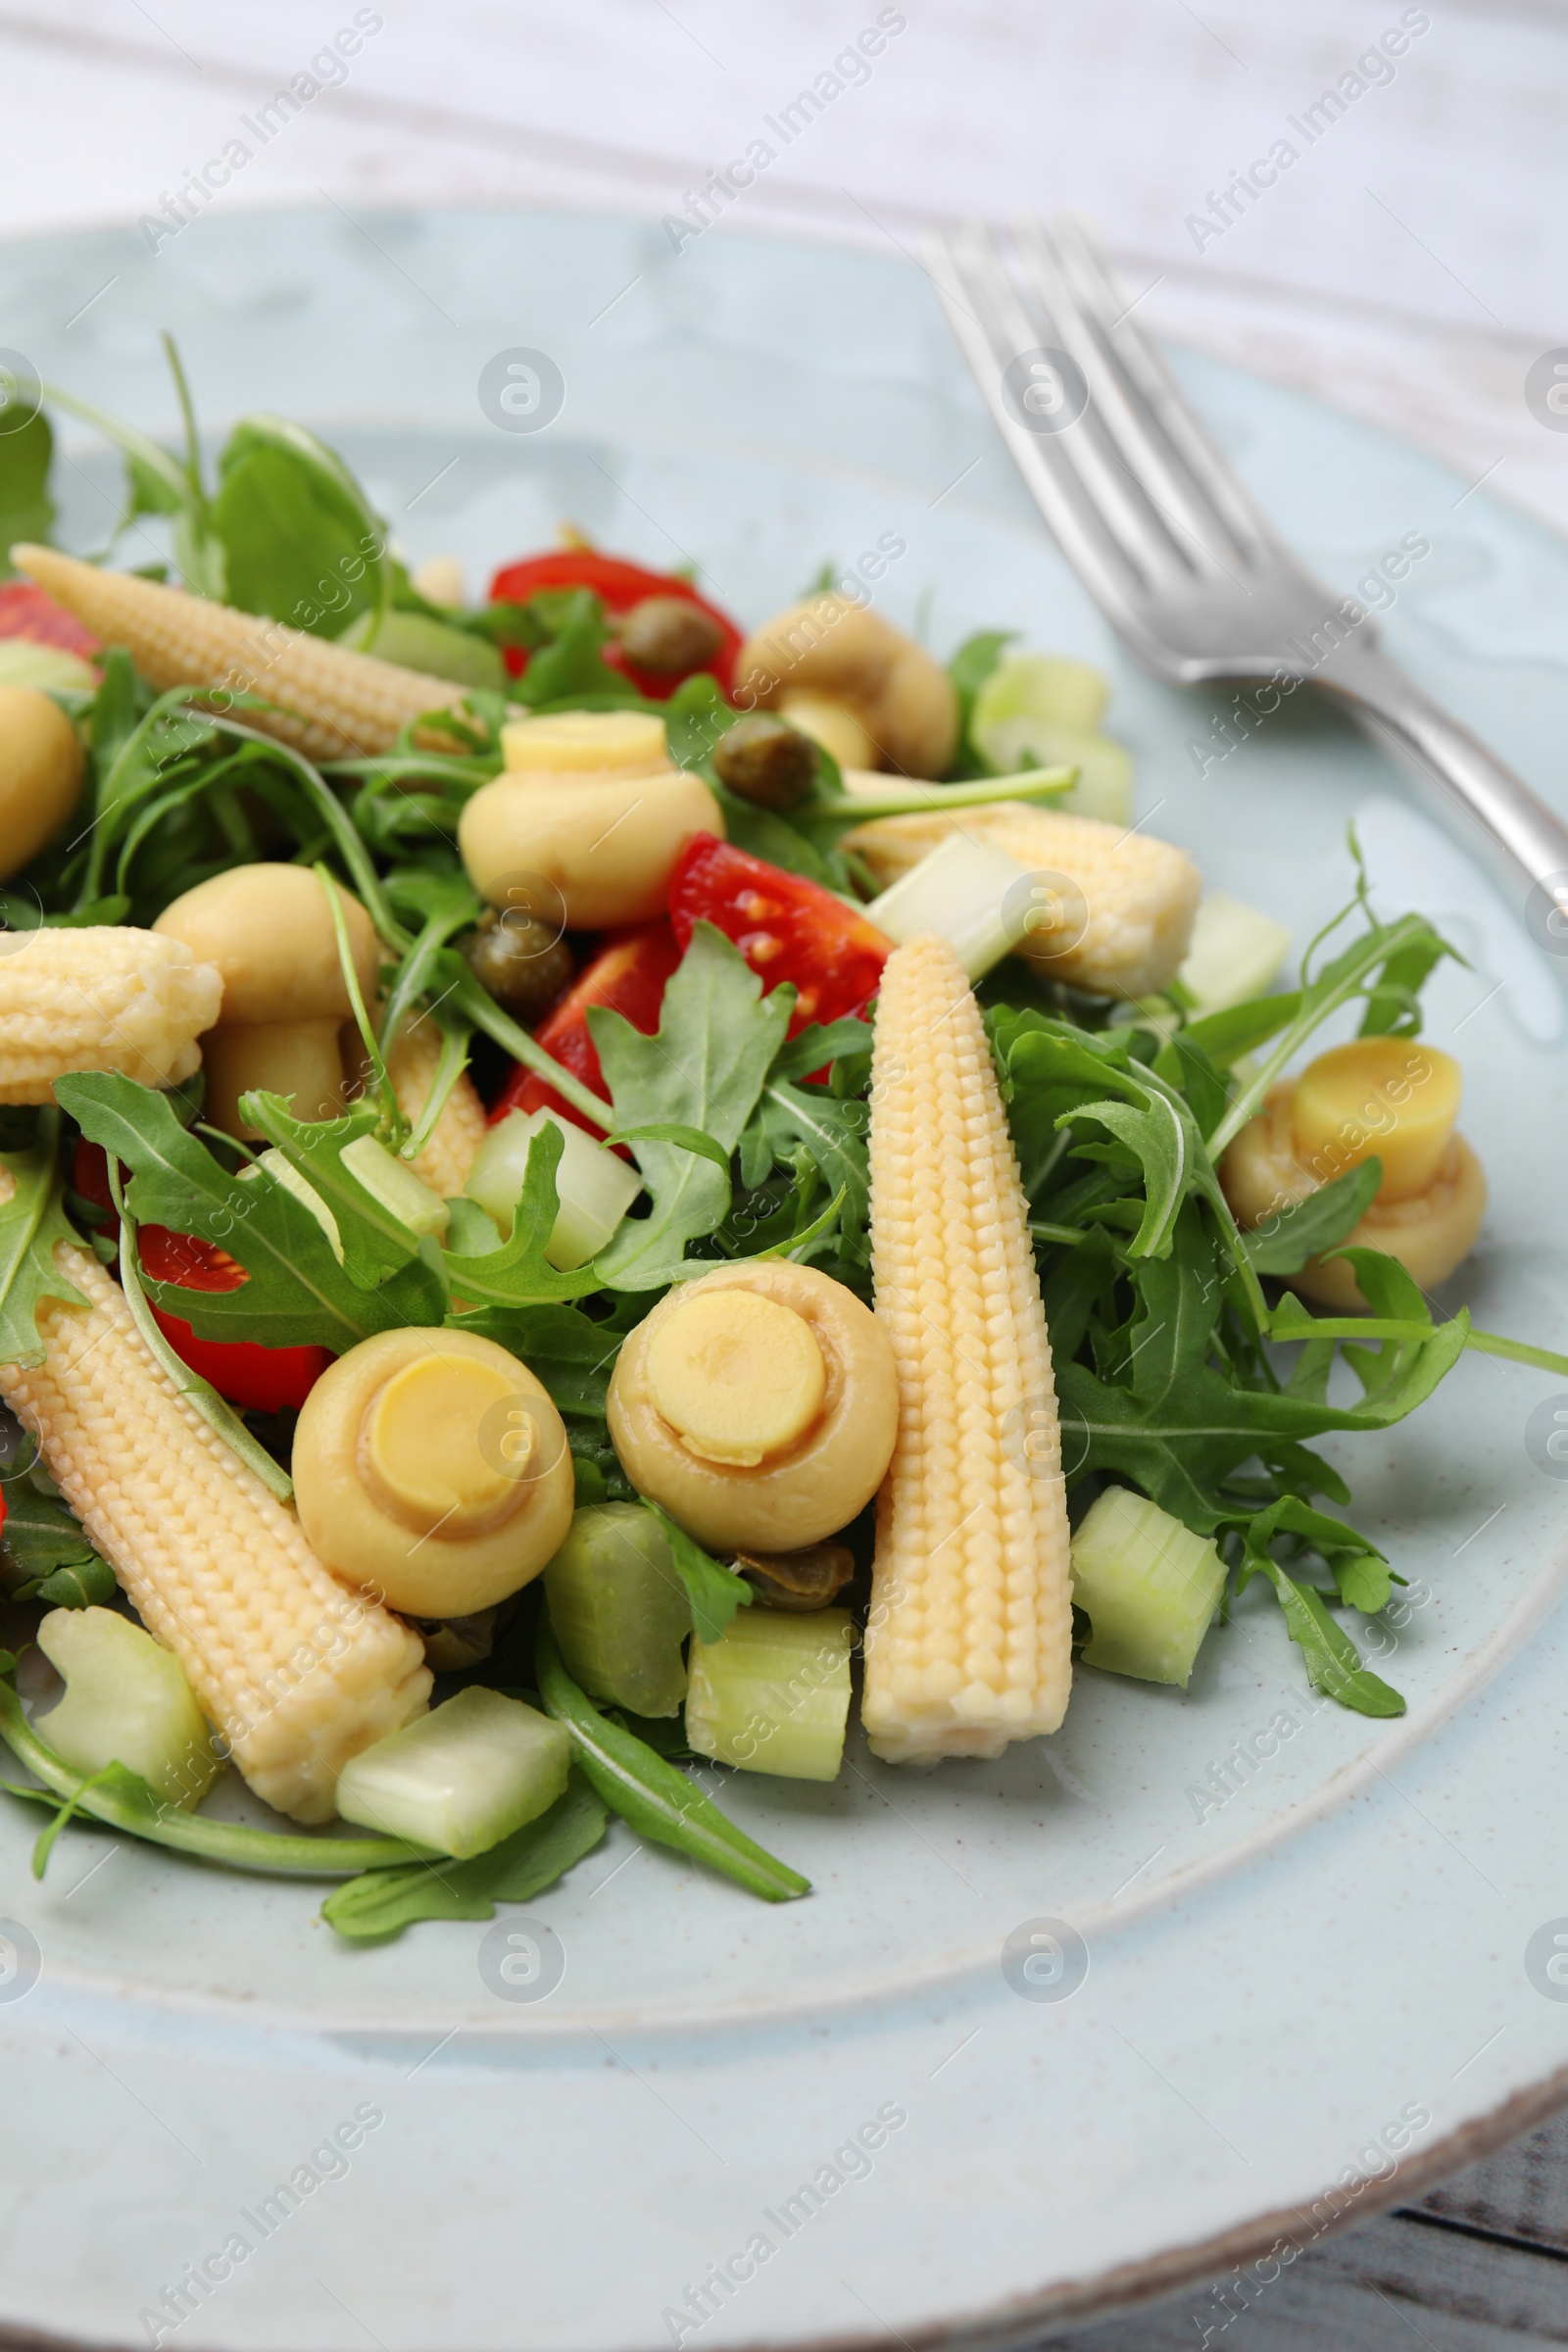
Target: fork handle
(1524, 839)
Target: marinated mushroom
(270, 931)
(519, 961)
(862, 688)
(768, 761)
(41, 773)
(669, 636)
(757, 1406)
(1389, 1096)
(589, 806)
(431, 1469)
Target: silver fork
(1181, 559)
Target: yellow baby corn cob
(104, 998)
(297, 1672)
(335, 703)
(969, 1642)
(457, 1134)
(1120, 929)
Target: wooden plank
(1392, 2282)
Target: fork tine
(1095, 509)
(1168, 549)
(1132, 443)
(1149, 385)
(989, 324)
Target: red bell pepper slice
(27, 611)
(620, 585)
(628, 976)
(786, 927)
(257, 1379)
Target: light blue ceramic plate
(839, 2114)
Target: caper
(797, 1582)
(521, 961)
(669, 636)
(766, 761)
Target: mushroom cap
(829, 645)
(270, 931)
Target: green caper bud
(669, 636)
(766, 761)
(521, 961)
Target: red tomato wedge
(786, 927)
(261, 1380)
(628, 976)
(25, 611)
(620, 585)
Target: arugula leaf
(298, 1295)
(383, 1902)
(375, 1241)
(969, 668)
(572, 1356)
(715, 1592)
(31, 1221)
(300, 539)
(704, 1069)
(1176, 1426)
(655, 1797)
(1333, 1663)
(834, 1134)
(26, 511)
(572, 664)
(47, 1555)
(518, 1274)
(1285, 1242)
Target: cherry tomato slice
(786, 927)
(620, 585)
(27, 611)
(628, 976)
(262, 1380)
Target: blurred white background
(1409, 266)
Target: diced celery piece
(595, 1186)
(1041, 688)
(395, 1185)
(1236, 953)
(414, 641)
(772, 1693)
(126, 1702)
(1148, 1586)
(619, 1610)
(968, 890)
(283, 1171)
(461, 1778)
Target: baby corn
(296, 1672)
(969, 1642)
(1120, 926)
(334, 703)
(103, 998)
(458, 1133)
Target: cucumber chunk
(1236, 953)
(967, 892)
(594, 1186)
(461, 1778)
(619, 1609)
(126, 1702)
(1042, 687)
(772, 1693)
(1148, 1586)
(392, 1183)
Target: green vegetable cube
(772, 1693)
(461, 1778)
(1236, 953)
(619, 1609)
(126, 1702)
(1148, 1584)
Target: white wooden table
(1408, 264)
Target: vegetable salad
(583, 1192)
